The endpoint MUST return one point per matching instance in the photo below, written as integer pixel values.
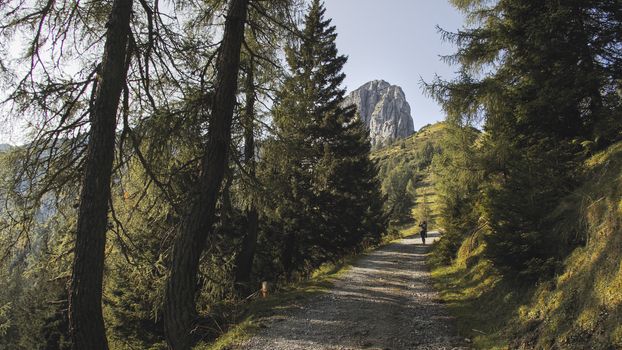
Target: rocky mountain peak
(384, 110)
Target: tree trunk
(244, 263)
(179, 304)
(85, 311)
(226, 207)
(287, 255)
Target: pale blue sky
(396, 40)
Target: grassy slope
(579, 309)
(410, 151)
(408, 147)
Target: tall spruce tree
(328, 195)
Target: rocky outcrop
(385, 111)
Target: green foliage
(404, 168)
(551, 90)
(580, 307)
(522, 241)
(34, 263)
(144, 215)
(481, 300)
(457, 179)
(32, 318)
(326, 198)
(399, 198)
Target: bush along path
(385, 301)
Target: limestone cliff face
(384, 110)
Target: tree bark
(287, 255)
(244, 263)
(85, 311)
(179, 304)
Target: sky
(397, 41)
(393, 40)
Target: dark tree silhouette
(180, 309)
(85, 315)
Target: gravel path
(385, 301)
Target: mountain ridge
(384, 110)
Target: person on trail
(424, 230)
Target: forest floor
(384, 301)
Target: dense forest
(531, 205)
(182, 152)
(181, 166)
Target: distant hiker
(424, 230)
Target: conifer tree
(457, 180)
(550, 90)
(179, 305)
(85, 316)
(244, 260)
(328, 195)
(399, 200)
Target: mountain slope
(404, 168)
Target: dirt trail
(385, 301)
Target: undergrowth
(580, 308)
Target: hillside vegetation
(405, 170)
(530, 206)
(579, 308)
(582, 307)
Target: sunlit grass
(580, 308)
(479, 299)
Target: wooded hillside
(531, 204)
(179, 154)
(182, 166)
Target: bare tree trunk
(244, 263)
(287, 254)
(179, 304)
(85, 310)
